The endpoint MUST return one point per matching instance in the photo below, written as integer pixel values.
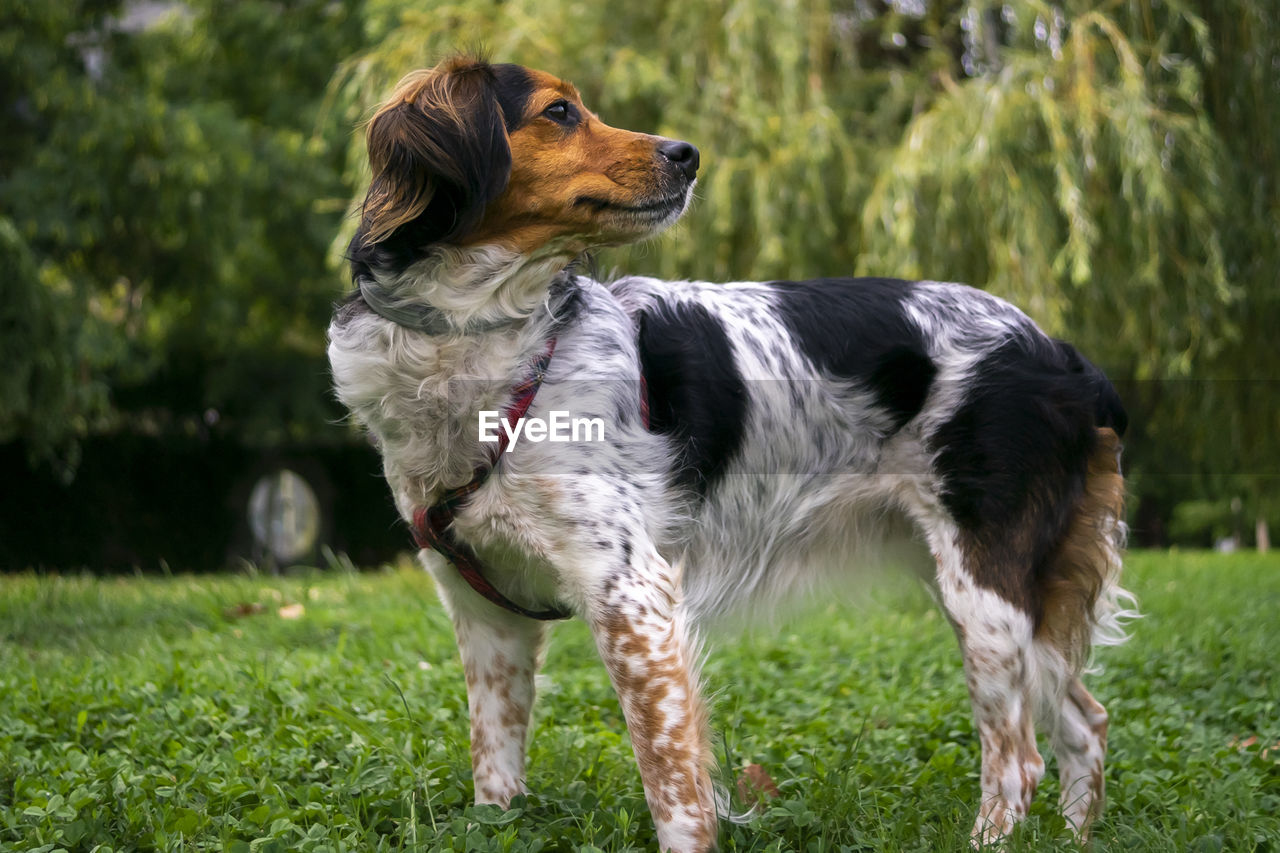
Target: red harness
(432, 525)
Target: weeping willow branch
(1079, 181)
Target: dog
(756, 434)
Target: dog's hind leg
(639, 626)
(996, 641)
(501, 653)
(1080, 745)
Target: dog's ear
(439, 154)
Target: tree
(40, 398)
(173, 182)
(1094, 167)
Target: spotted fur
(796, 430)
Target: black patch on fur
(856, 328)
(901, 381)
(512, 85)
(564, 296)
(466, 169)
(1014, 457)
(695, 391)
(1108, 409)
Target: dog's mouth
(656, 210)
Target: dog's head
(468, 153)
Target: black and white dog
(753, 432)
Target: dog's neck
(470, 290)
(419, 392)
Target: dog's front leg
(501, 653)
(639, 628)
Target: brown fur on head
(437, 149)
(468, 153)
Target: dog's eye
(562, 112)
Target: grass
(171, 714)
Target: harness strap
(433, 525)
(644, 401)
(431, 529)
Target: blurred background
(176, 181)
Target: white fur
(813, 489)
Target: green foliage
(1076, 177)
(168, 714)
(175, 185)
(1225, 423)
(39, 396)
(1202, 522)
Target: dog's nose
(682, 155)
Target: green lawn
(168, 714)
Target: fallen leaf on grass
(1252, 740)
(243, 609)
(291, 611)
(755, 785)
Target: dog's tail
(1082, 602)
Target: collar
(426, 318)
(433, 525)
